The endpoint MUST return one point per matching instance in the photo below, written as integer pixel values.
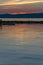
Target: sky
(21, 6)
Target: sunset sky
(21, 6)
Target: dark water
(21, 44)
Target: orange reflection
(22, 31)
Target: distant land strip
(12, 19)
(19, 22)
(33, 15)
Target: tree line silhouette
(19, 22)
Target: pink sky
(21, 6)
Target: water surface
(21, 44)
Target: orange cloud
(12, 2)
(22, 8)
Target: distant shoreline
(19, 22)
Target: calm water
(21, 44)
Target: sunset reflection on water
(22, 43)
(22, 32)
